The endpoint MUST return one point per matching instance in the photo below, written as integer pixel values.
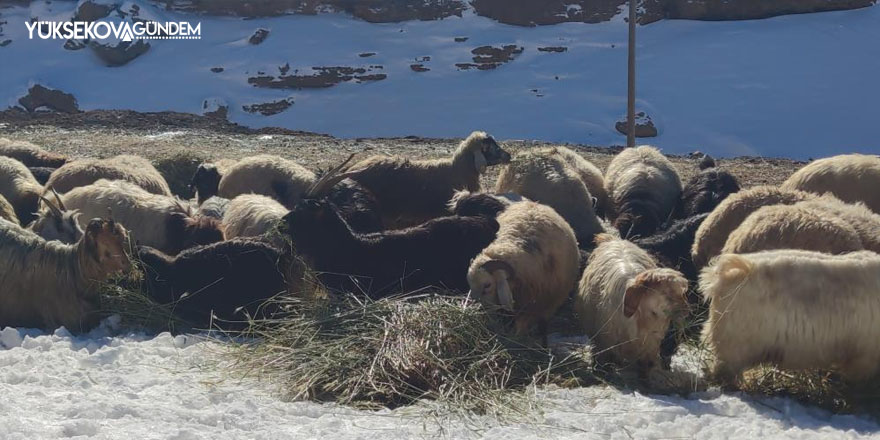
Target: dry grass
(398, 351)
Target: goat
(410, 192)
(47, 284)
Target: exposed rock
(557, 49)
(324, 77)
(74, 44)
(259, 36)
(749, 10)
(91, 11)
(284, 69)
(5, 43)
(269, 108)
(418, 68)
(215, 108)
(121, 53)
(644, 126)
(216, 69)
(366, 54)
(489, 57)
(461, 39)
(376, 11)
(39, 97)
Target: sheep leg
(724, 374)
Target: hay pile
(398, 351)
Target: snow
(110, 384)
(795, 86)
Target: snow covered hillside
(109, 386)
(793, 86)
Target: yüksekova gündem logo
(124, 31)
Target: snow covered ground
(793, 86)
(107, 385)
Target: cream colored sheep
(136, 170)
(284, 180)
(625, 303)
(163, 222)
(47, 284)
(792, 227)
(643, 189)
(411, 192)
(729, 214)
(251, 215)
(864, 221)
(20, 189)
(29, 154)
(7, 212)
(850, 177)
(531, 266)
(590, 174)
(793, 309)
(546, 177)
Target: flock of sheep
(790, 275)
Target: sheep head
(485, 151)
(56, 222)
(205, 181)
(489, 283)
(105, 242)
(314, 222)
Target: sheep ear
(632, 298)
(505, 296)
(480, 161)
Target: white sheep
(850, 177)
(792, 227)
(136, 170)
(793, 309)
(284, 180)
(625, 303)
(251, 215)
(411, 192)
(163, 222)
(643, 189)
(20, 188)
(29, 154)
(47, 284)
(531, 266)
(730, 213)
(546, 176)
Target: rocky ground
(161, 136)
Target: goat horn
(493, 265)
(330, 178)
(55, 211)
(58, 198)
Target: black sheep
(218, 279)
(42, 173)
(205, 181)
(704, 192)
(471, 204)
(435, 253)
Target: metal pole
(631, 80)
